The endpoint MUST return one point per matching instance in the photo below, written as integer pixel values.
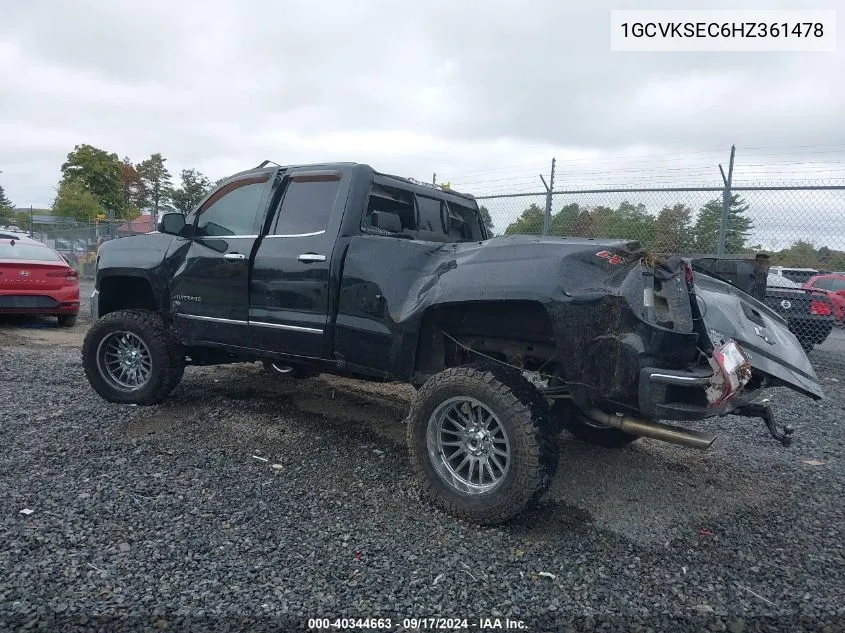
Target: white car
(14, 235)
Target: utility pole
(434, 178)
(547, 216)
(726, 202)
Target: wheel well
(516, 332)
(118, 293)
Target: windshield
(31, 252)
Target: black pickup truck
(337, 268)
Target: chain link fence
(800, 228)
(78, 241)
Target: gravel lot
(164, 517)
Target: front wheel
(129, 357)
(481, 444)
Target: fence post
(726, 202)
(547, 216)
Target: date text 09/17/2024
(417, 624)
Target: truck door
(210, 288)
(289, 291)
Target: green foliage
(73, 200)
(7, 216)
(195, 186)
(5, 203)
(97, 171)
(707, 224)
(673, 229)
(156, 179)
(7, 211)
(135, 193)
(803, 254)
(486, 219)
(530, 222)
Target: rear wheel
(481, 443)
(568, 416)
(67, 320)
(130, 357)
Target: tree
(135, 194)
(97, 171)
(7, 208)
(157, 180)
(673, 229)
(584, 225)
(563, 222)
(73, 200)
(706, 229)
(486, 219)
(530, 222)
(195, 187)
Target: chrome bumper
(95, 305)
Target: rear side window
(306, 206)
(830, 283)
(31, 252)
(431, 215)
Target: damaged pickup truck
(337, 268)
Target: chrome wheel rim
(124, 361)
(468, 445)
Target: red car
(833, 285)
(35, 279)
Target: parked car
(833, 285)
(13, 235)
(809, 313)
(36, 279)
(341, 269)
(799, 275)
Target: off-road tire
(524, 414)
(67, 320)
(567, 416)
(166, 355)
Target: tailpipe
(654, 430)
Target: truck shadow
(648, 491)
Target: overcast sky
(483, 92)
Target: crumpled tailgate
(763, 335)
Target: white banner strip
(723, 31)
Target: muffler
(654, 430)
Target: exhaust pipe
(654, 430)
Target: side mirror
(171, 223)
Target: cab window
(232, 209)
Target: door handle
(311, 257)
(234, 256)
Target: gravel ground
(165, 517)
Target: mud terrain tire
(164, 357)
(516, 413)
